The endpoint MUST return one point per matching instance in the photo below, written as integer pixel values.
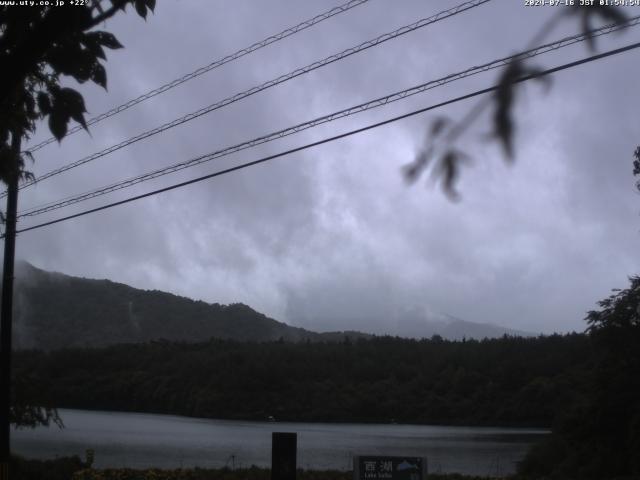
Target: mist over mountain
(421, 322)
(54, 311)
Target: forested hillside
(508, 381)
(60, 311)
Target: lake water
(145, 440)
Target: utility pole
(6, 309)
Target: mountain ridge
(53, 310)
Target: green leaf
(99, 76)
(438, 125)
(75, 105)
(29, 155)
(504, 97)
(44, 103)
(73, 61)
(58, 124)
(503, 126)
(141, 8)
(450, 170)
(67, 103)
(108, 40)
(27, 176)
(91, 41)
(414, 169)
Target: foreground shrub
(253, 473)
(58, 469)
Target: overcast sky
(333, 237)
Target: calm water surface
(144, 440)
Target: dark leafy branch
(27, 408)
(39, 47)
(440, 153)
(620, 310)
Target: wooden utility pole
(6, 309)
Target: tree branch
(29, 53)
(107, 14)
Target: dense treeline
(599, 437)
(507, 381)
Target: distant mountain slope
(451, 328)
(423, 323)
(55, 311)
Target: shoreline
(524, 428)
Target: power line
(336, 137)
(378, 102)
(207, 68)
(271, 83)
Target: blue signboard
(370, 467)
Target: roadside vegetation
(73, 468)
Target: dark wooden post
(6, 312)
(284, 449)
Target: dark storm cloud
(333, 238)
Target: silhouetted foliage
(59, 469)
(600, 438)
(39, 46)
(440, 153)
(504, 98)
(588, 15)
(253, 473)
(506, 381)
(28, 410)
